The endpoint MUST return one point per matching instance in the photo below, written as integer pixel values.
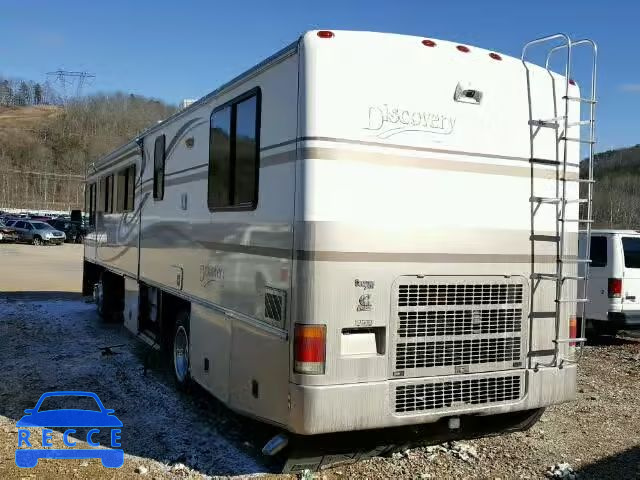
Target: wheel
(37, 241)
(180, 350)
(109, 297)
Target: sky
(185, 49)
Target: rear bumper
(625, 320)
(363, 406)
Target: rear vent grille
(456, 394)
(458, 322)
(459, 294)
(275, 305)
(456, 352)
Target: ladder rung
(581, 122)
(573, 300)
(569, 277)
(579, 200)
(579, 180)
(573, 260)
(579, 140)
(544, 123)
(553, 200)
(570, 340)
(544, 276)
(575, 220)
(579, 99)
(545, 161)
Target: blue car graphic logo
(68, 418)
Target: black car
(74, 231)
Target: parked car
(38, 233)
(74, 231)
(614, 281)
(7, 234)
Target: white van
(614, 281)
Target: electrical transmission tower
(71, 82)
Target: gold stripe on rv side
(385, 159)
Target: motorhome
(364, 232)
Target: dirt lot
(55, 342)
(26, 268)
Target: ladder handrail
(562, 161)
(548, 38)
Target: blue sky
(184, 49)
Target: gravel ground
(56, 344)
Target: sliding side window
(106, 194)
(90, 202)
(234, 151)
(158, 168)
(126, 189)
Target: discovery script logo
(389, 120)
(29, 452)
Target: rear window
(631, 247)
(598, 251)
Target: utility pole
(69, 81)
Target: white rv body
(381, 184)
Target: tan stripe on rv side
(385, 159)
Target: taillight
(309, 347)
(573, 329)
(615, 287)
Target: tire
(37, 241)
(180, 352)
(109, 299)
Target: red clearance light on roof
(572, 81)
(495, 56)
(325, 34)
(462, 48)
(428, 43)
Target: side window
(19, 225)
(28, 226)
(631, 249)
(598, 251)
(108, 194)
(234, 146)
(158, 168)
(92, 204)
(103, 192)
(126, 185)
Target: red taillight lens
(325, 34)
(462, 48)
(309, 346)
(615, 287)
(428, 43)
(573, 329)
(495, 56)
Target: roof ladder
(565, 264)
